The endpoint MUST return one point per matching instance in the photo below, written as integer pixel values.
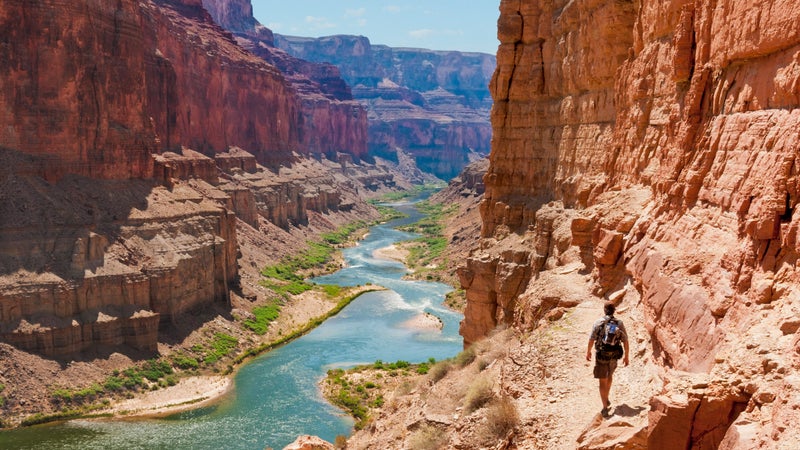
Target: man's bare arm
(627, 351)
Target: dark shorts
(604, 369)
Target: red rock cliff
(434, 105)
(331, 122)
(664, 134)
(75, 111)
(97, 88)
(100, 241)
(209, 94)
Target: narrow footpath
(560, 407)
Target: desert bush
(478, 394)
(263, 316)
(404, 388)
(221, 345)
(501, 417)
(439, 370)
(427, 438)
(466, 357)
(184, 362)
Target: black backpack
(610, 342)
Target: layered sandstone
(664, 136)
(108, 85)
(433, 105)
(122, 174)
(207, 93)
(330, 121)
(99, 264)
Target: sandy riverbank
(197, 391)
(392, 252)
(424, 321)
(188, 393)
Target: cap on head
(609, 308)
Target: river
(276, 397)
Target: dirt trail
(562, 401)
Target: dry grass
(466, 357)
(501, 418)
(427, 438)
(439, 370)
(478, 394)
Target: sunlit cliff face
(667, 130)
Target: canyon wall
(433, 105)
(107, 85)
(75, 112)
(662, 136)
(123, 177)
(331, 122)
(209, 94)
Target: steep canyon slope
(644, 152)
(665, 136)
(331, 121)
(143, 154)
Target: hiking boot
(604, 412)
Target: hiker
(608, 338)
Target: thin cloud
(319, 22)
(350, 13)
(421, 33)
(392, 8)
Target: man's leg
(605, 387)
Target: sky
(431, 24)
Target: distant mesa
(435, 105)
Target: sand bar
(188, 393)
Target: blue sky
(432, 24)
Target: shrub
(264, 315)
(340, 442)
(399, 364)
(221, 345)
(184, 362)
(77, 396)
(440, 370)
(478, 394)
(466, 357)
(427, 438)
(155, 369)
(404, 388)
(501, 418)
(378, 402)
(332, 290)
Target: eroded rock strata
(331, 121)
(136, 138)
(434, 105)
(659, 140)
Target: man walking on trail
(608, 337)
